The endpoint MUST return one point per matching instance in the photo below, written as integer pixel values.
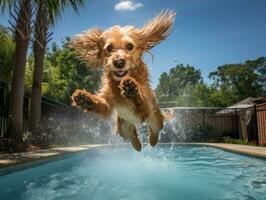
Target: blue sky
(207, 33)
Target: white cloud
(127, 5)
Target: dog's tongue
(120, 72)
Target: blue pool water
(177, 172)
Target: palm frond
(57, 7)
(4, 4)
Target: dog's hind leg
(91, 102)
(155, 124)
(128, 132)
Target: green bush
(237, 141)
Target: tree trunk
(22, 36)
(41, 32)
(35, 105)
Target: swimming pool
(183, 172)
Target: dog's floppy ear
(156, 30)
(88, 46)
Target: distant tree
(50, 75)
(72, 73)
(172, 84)
(199, 95)
(7, 54)
(63, 73)
(231, 83)
(238, 81)
(259, 66)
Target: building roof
(246, 103)
(250, 101)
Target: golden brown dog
(125, 81)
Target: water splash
(84, 128)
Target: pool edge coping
(246, 150)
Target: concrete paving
(13, 159)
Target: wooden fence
(261, 123)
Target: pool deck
(255, 151)
(15, 159)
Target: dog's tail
(168, 114)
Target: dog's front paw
(129, 88)
(81, 98)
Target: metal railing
(202, 124)
(211, 124)
(63, 125)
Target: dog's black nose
(120, 63)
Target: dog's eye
(130, 46)
(109, 48)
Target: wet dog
(125, 82)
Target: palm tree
(22, 31)
(47, 12)
(41, 38)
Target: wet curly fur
(125, 81)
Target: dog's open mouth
(120, 73)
